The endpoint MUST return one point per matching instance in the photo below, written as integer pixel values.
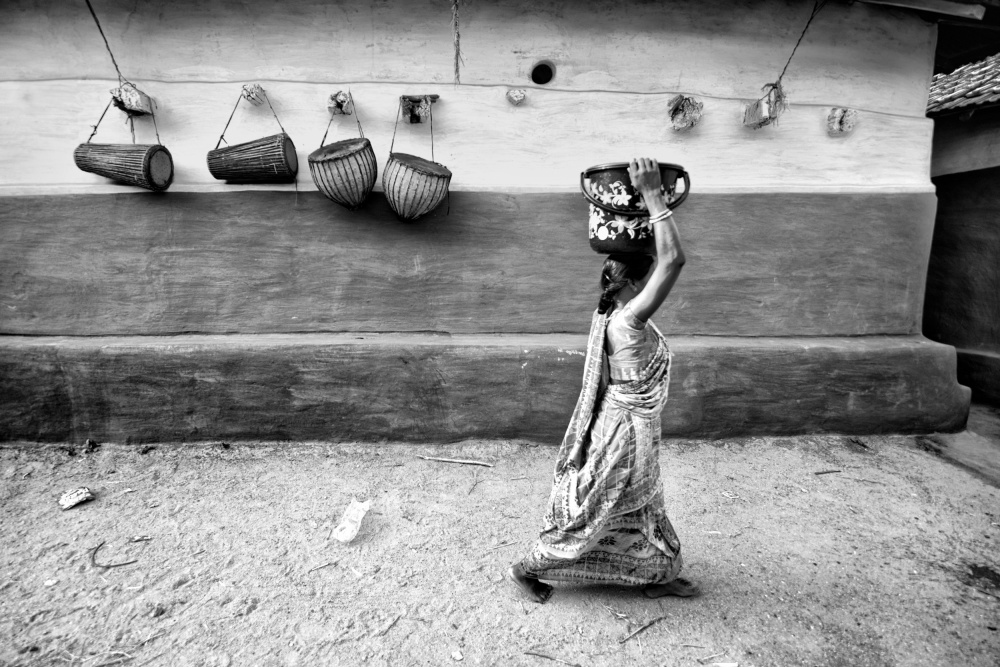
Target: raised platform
(421, 387)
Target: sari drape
(606, 521)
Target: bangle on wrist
(660, 217)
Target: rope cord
(152, 113)
(458, 40)
(399, 109)
(430, 111)
(817, 6)
(221, 136)
(121, 78)
(357, 118)
(322, 141)
(99, 122)
(272, 112)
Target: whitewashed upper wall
(617, 67)
(856, 55)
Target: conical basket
(414, 186)
(345, 171)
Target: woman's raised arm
(645, 175)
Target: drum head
(339, 149)
(291, 159)
(420, 165)
(161, 168)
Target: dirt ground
(891, 560)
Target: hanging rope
(99, 122)
(430, 113)
(121, 78)
(223, 135)
(399, 110)
(458, 40)
(774, 90)
(357, 118)
(272, 112)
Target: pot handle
(610, 209)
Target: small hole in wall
(542, 72)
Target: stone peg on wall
(340, 104)
(417, 107)
(253, 93)
(131, 100)
(685, 112)
(516, 96)
(840, 121)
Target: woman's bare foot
(680, 587)
(531, 586)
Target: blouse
(630, 345)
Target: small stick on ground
(655, 620)
(827, 472)
(475, 482)
(693, 646)
(709, 657)
(867, 481)
(467, 462)
(549, 657)
(501, 546)
(389, 627)
(93, 559)
(320, 567)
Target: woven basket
(414, 186)
(148, 166)
(345, 171)
(268, 160)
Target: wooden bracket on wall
(417, 107)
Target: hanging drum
(147, 166)
(414, 186)
(144, 165)
(344, 171)
(619, 220)
(268, 160)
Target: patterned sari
(606, 521)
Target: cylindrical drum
(149, 166)
(414, 186)
(268, 160)
(619, 220)
(345, 171)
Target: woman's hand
(645, 175)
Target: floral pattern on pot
(605, 225)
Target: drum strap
(354, 110)
(131, 120)
(399, 109)
(222, 137)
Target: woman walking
(606, 521)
